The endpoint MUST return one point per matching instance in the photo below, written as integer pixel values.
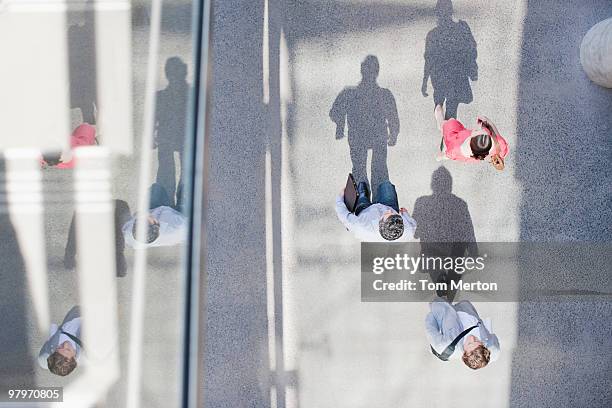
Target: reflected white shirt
(172, 228)
(71, 327)
(365, 226)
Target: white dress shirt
(467, 320)
(365, 226)
(71, 327)
(172, 228)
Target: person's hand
(424, 89)
(339, 132)
(497, 162)
(391, 141)
(403, 210)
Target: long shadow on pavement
(17, 367)
(450, 60)
(444, 224)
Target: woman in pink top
(471, 145)
(83, 135)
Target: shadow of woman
(450, 60)
(444, 225)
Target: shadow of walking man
(370, 113)
(450, 60)
(170, 119)
(444, 225)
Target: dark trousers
(386, 195)
(158, 196)
(166, 173)
(359, 158)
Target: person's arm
(127, 232)
(177, 227)
(432, 329)
(409, 225)
(45, 349)
(42, 357)
(393, 123)
(346, 218)
(501, 146)
(426, 66)
(493, 346)
(338, 114)
(471, 51)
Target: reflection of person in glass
(450, 60)
(165, 225)
(445, 322)
(373, 123)
(170, 120)
(62, 350)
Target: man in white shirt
(380, 221)
(165, 225)
(62, 350)
(446, 322)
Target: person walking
(457, 331)
(61, 352)
(165, 225)
(378, 221)
(471, 145)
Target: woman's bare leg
(439, 115)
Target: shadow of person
(444, 225)
(370, 114)
(170, 120)
(121, 216)
(450, 60)
(17, 366)
(82, 64)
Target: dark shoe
(440, 292)
(363, 189)
(361, 206)
(363, 200)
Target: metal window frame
(196, 160)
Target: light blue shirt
(172, 228)
(445, 322)
(365, 226)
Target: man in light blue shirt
(62, 350)
(446, 321)
(380, 221)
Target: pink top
(83, 135)
(455, 134)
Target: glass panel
(90, 301)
